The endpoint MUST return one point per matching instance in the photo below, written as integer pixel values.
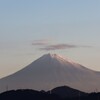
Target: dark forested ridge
(59, 93)
(65, 92)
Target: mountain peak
(51, 55)
(58, 57)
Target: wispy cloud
(86, 46)
(45, 45)
(58, 47)
(61, 47)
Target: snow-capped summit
(50, 71)
(57, 57)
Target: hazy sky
(31, 28)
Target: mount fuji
(50, 71)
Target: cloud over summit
(45, 45)
(58, 47)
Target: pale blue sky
(73, 22)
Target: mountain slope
(52, 70)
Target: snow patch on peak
(59, 57)
(51, 55)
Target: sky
(32, 28)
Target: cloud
(58, 47)
(45, 45)
(86, 46)
(61, 47)
(40, 42)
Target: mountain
(50, 71)
(67, 92)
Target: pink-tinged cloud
(58, 47)
(61, 47)
(45, 45)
